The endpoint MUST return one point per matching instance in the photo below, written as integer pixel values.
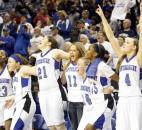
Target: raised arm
(109, 33)
(139, 54)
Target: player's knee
(61, 127)
(51, 128)
(89, 127)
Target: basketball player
(98, 101)
(24, 103)
(5, 91)
(74, 81)
(49, 94)
(129, 113)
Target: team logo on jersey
(128, 67)
(4, 80)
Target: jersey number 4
(127, 80)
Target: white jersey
(25, 107)
(94, 104)
(129, 78)
(102, 80)
(74, 82)
(47, 68)
(94, 98)
(21, 86)
(92, 88)
(5, 82)
(5, 90)
(90, 93)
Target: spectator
(8, 23)
(23, 21)
(39, 24)
(64, 25)
(85, 17)
(127, 31)
(58, 37)
(101, 39)
(85, 41)
(74, 15)
(23, 39)
(41, 15)
(78, 28)
(51, 4)
(7, 42)
(35, 41)
(46, 30)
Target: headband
(17, 59)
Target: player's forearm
(110, 35)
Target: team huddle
(89, 91)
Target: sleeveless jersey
(129, 78)
(102, 79)
(74, 82)
(21, 86)
(47, 70)
(92, 88)
(102, 76)
(5, 82)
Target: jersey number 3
(4, 91)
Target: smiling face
(129, 46)
(12, 65)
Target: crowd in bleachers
(27, 21)
(24, 24)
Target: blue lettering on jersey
(128, 67)
(88, 99)
(72, 69)
(85, 88)
(94, 89)
(15, 79)
(44, 60)
(4, 80)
